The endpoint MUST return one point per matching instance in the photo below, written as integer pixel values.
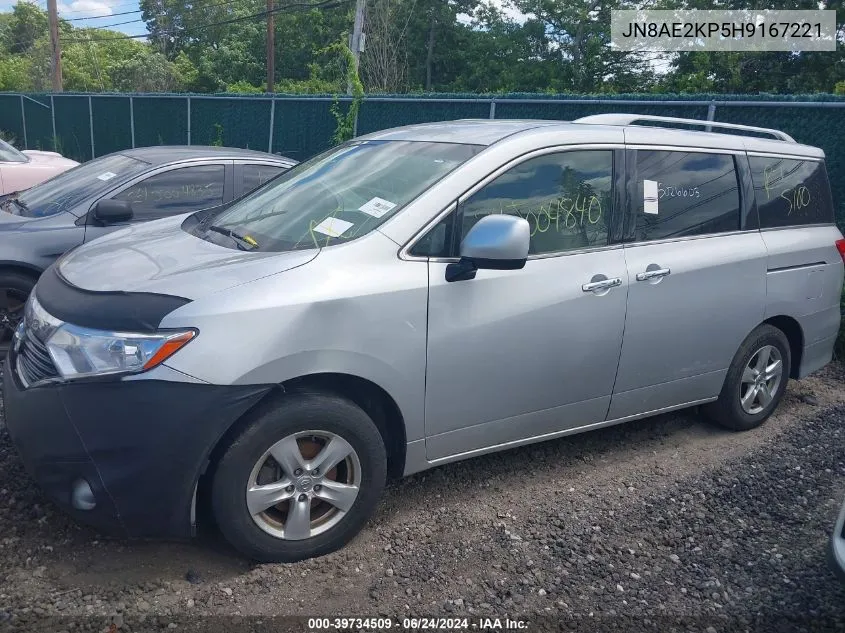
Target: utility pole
(55, 46)
(356, 43)
(271, 48)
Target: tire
(729, 410)
(15, 287)
(325, 417)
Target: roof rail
(628, 119)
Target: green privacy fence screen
(83, 126)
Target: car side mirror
(496, 242)
(112, 212)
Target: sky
(95, 13)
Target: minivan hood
(160, 257)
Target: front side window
(680, 194)
(336, 196)
(790, 192)
(176, 191)
(566, 198)
(65, 191)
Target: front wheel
(755, 382)
(301, 480)
(15, 288)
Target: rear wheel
(14, 291)
(755, 382)
(301, 480)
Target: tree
(578, 33)
(758, 72)
(27, 24)
(384, 63)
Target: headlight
(79, 352)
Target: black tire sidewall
(16, 281)
(731, 412)
(291, 414)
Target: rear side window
(256, 175)
(679, 194)
(790, 192)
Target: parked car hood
(52, 158)
(160, 257)
(13, 222)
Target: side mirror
(112, 211)
(497, 242)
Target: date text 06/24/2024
(315, 625)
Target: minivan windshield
(63, 192)
(335, 197)
(9, 154)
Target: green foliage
(15, 73)
(312, 86)
(243, 87)
(553, 47)
(218, 135)
(92, 59)
(345, 118)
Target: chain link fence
(83, 126)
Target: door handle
(653, 274)
(602, 284)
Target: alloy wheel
(303, 485)
(761, 379)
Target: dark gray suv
(39, 224)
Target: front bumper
(837, 546)
(140, 445)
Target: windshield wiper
(244, 242)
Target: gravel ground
(665, 524)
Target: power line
(105, 15)
(196, 8)
(324, 4)
(107, 26)
(117, 6)
(111, 15)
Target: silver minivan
(414, 297)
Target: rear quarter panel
(804, 281)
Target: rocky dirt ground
(662, 524)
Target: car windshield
(335, 197)
(9, 154)
(64, 191)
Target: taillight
(840, 246)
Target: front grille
(33, 361)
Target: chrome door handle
(653, 274)
(603, 284)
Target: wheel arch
(20, 267)
(795, 335)
(371, 397)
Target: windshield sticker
(333, 227)
(650, 196)
(106, 175)
(377, 207)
